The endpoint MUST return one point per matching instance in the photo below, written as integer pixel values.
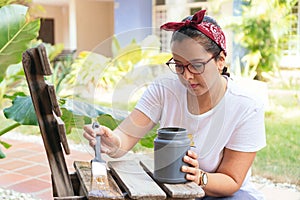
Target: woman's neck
(205, 102)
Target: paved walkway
(25, 169)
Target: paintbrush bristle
(99, 175)
(98, 169)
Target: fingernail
(186, 158)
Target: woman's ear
(221, 61)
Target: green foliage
(61, 68)
(85, 74)
(108, 121)
(22, 111)
(260, 30)
(72, 120)
(17, 30)
(280, 159)
(91, 70)
(2, 155)
(77, 113)
(5, 2)
(71, 77)
(147, 140)
(14, 81)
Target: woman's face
(190, 51)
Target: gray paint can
(170, 145)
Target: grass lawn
(280, 159)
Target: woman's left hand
(192, 170)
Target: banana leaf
(92, 111)
(2, 155)
(16, 32)
(147, 140)
(107, 121)
(74, 113)
(22, 111)
(72, 120)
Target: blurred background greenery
(279, 161)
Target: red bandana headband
(210, 30)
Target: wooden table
(132, 179)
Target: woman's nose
(187, 74)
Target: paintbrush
(99, 173)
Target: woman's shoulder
(246, 92)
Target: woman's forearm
(126, 143)
(220, 185)
(131, 130)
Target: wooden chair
(52, 128)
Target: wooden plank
(183, 190)
(135, 181)
(44, 62)
(78, 190)
(90, 187)
(53, 100)
(62, 133)
(36, 65)
(70, 198)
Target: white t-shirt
(236, 122)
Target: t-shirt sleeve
(150, 103)
(249, 136)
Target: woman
(226, 123)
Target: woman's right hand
(110, 142)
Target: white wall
(95, 24)
(57, 13)
(80, 24)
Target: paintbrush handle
(98, 143)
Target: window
(161, 18)
(160, 2)
(291, 41)
(46, 33)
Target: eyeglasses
(194, 68)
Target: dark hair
(208, 44)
